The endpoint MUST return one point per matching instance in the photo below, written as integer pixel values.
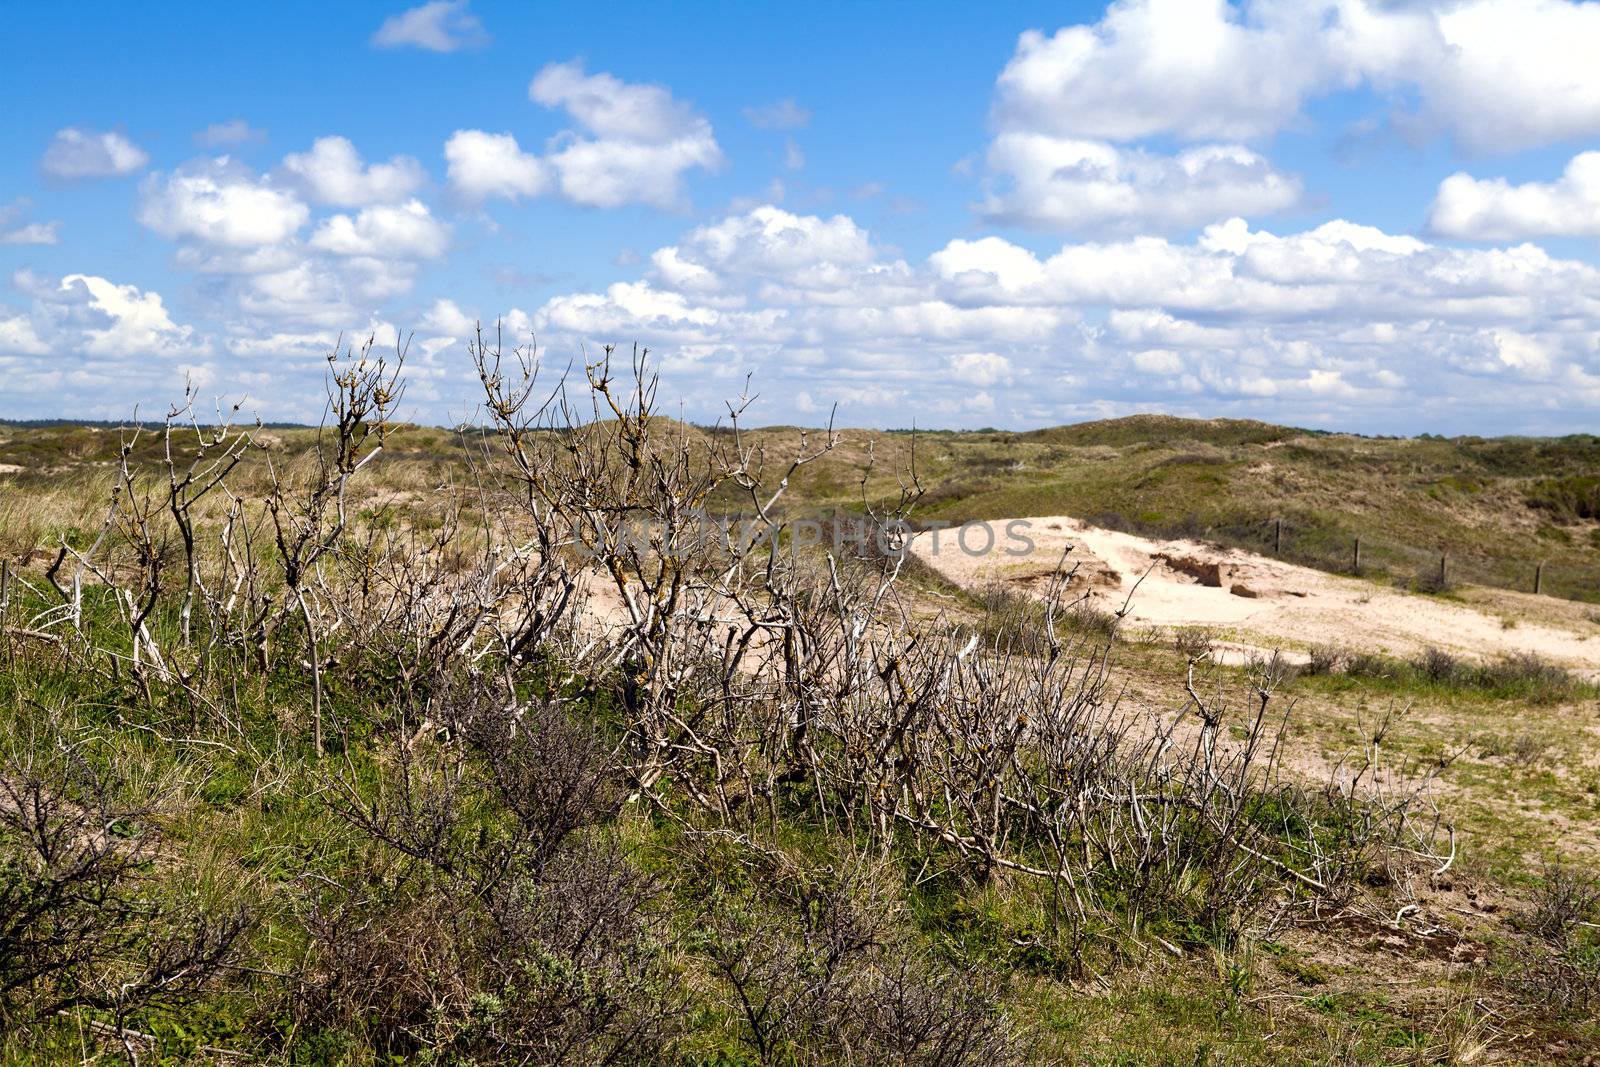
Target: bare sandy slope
(1261, 603)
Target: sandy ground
(1258, 603)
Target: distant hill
(1495, 506)
(120, 424)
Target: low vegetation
(1520, 676)
(1570, 498)
(377, 744)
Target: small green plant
(1236, 971)
(1304, 971)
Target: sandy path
(1263, 603)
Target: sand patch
(1263, 603)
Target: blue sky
(1340, 213)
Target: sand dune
(1260, 603)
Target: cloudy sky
(1375, 215)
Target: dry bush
(562, 968)
(1528, 751)
(83, 925)
(1271, 672)
(1437, 665)
(1195, 642)
(1530, 676)
(1518, 750)
(1325, 659)
(1021, 622)
(1567, 899)
(1371, 665)
(492, 921)
(823, 969)
(1560, 983)
(1098, 623)
(751, 681)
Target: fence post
(1356, 565)
(1277, 537)
(1538, 578)
(1444, 573)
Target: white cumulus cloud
(766, 242)
(136, 321)
(608, 173)
(1492, 209)
(85, 313)
(1053, 183)
(981, 368)
(32, 233)
(1496, 75)
(405, 231)
(1196, 68)
(447, 318)
(642, 140)
(220, 204)
(1331, 322)
(633, 144)
(611, 107)
(332, 173)
(245, 234)
(91, 347)
(15, 230)
(437, 26)
(76, 154)
(484, 165)
(18, 337)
